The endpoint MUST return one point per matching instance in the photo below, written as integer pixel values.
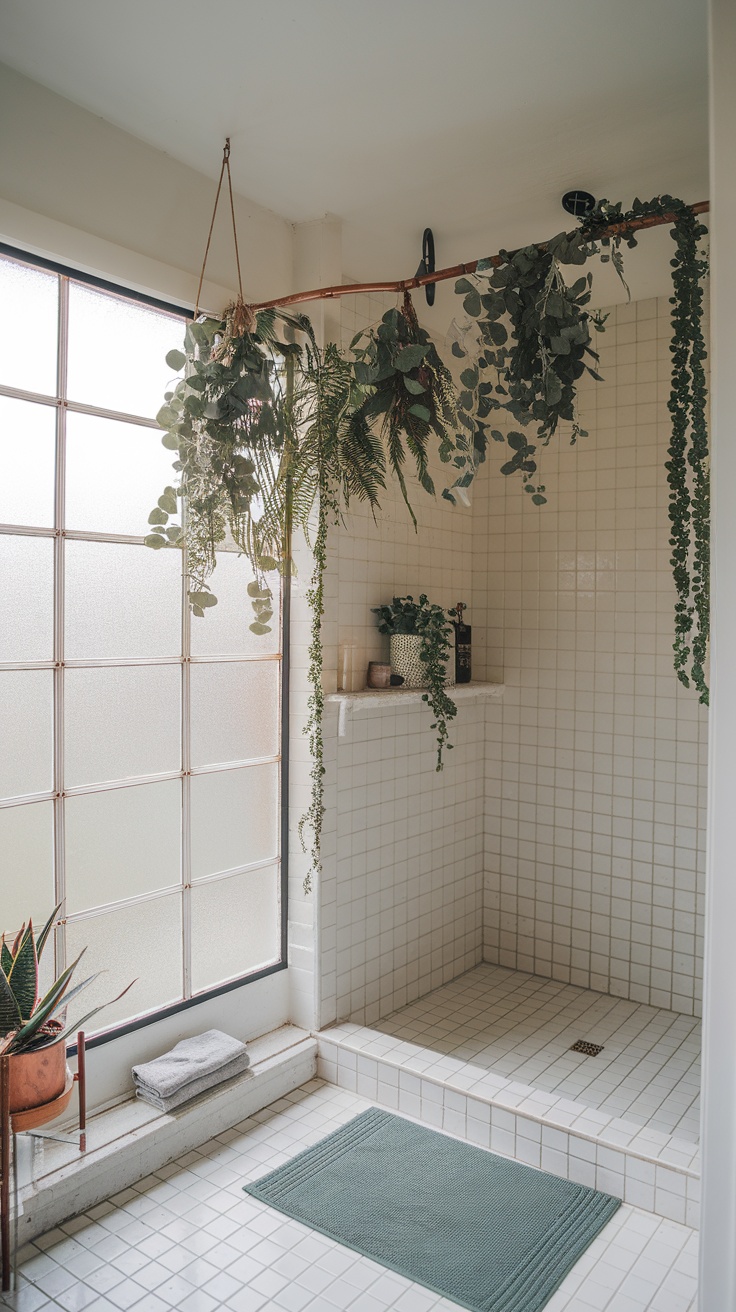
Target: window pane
(234, 814)
(26, 732)
(115, 474)
(29, 297)
(26, 598)
(122, 843)
(122, 601)
(117, 352)
(26, 865)
(224, 629)
(142, 942)
(27, 463)
(249, 905)
(234, 711)
(121, 722)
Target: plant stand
(29, 1122)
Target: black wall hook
(427, 264)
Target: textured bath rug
(491, 1234)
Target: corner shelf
(379, 698)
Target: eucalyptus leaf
(410, 357)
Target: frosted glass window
(235, 711)
(103, 672)
(121, 722)
(249, 905)
(26, 598)
(141, 943)
(122, 601)
(117, 352)
(29, 297)
(26, 732)
(27, 463)
(234, 818)
(26, 865)
(224, 629)
(122, 843)
(115, 473)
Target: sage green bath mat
(490, 1234)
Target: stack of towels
(191, 1067)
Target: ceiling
(472, 116)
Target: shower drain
(589, 1049)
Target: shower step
(651, 1170)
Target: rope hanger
(225, 166)
(402, 285)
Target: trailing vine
(312, 818)
(687, 465)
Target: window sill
(132, 1139)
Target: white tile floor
(521, 1026)
(188, 1238)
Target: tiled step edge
(644, 1182)
(280, 1063)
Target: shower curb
(656, 1172)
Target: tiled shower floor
(521, 1027)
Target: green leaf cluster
(28, 1021)
(532, 346)
(430, 622)
(410, 394)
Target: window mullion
(186, 781)
(59, 522)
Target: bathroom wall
(596, 757)
(401, 894)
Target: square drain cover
(589, 1049)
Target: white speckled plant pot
(406, 660)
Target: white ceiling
(472, 116)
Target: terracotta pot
(38, 1077)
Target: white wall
(596, 757)
(718, 1253)
(76, 188)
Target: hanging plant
(410, 393)
(532, 344)
(273, 434)
(430, 623)
(688, 463)
(526, 341)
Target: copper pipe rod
(458, 270)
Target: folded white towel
(190, 1060)
(195, 1087)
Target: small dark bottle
(463, 633)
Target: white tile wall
(581, 794)
(596, 757)
(401, 894)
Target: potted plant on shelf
(420, 644)
(31, 1032)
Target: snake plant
(27, 1020)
